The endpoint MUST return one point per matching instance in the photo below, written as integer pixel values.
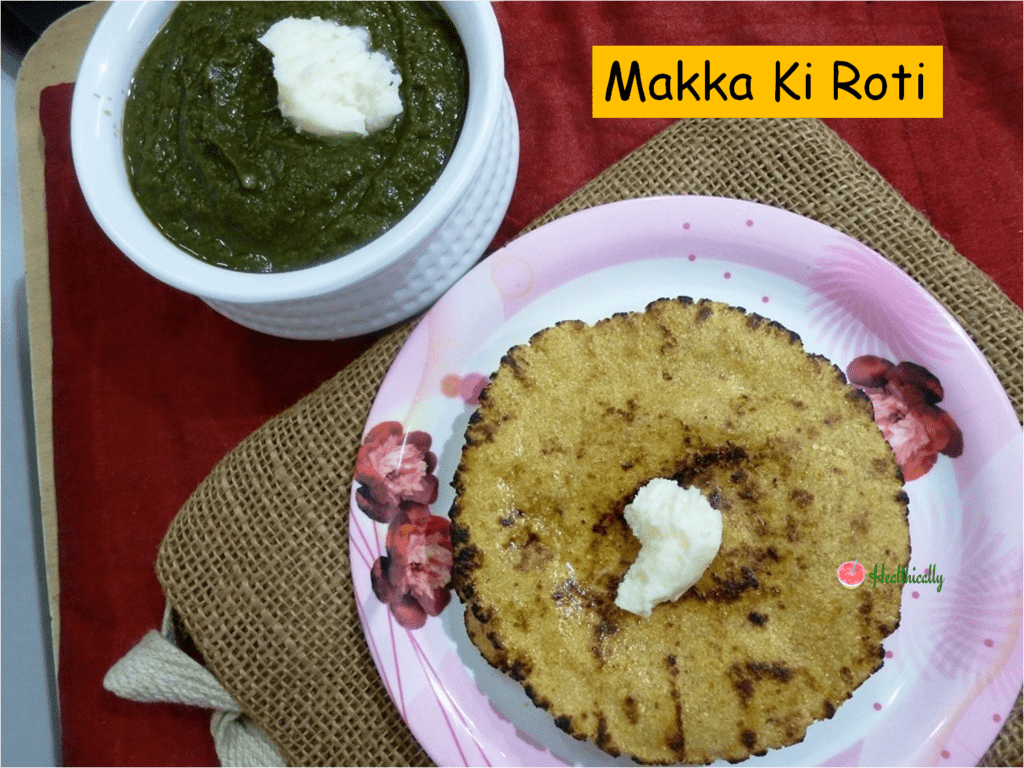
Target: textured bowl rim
(97, 109)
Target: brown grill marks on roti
(571, 425)
(757, 619)
(745, 676)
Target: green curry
(224, 175)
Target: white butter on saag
(329, 82)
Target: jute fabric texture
(256, 562)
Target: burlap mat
(256, 563)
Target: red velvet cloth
(151, 387)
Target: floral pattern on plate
(905, 399)
(396, 484)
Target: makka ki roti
(768, 641)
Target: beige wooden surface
(54, 59)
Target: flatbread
(572, 424)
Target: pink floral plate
(954, 666)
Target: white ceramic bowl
(386, 281)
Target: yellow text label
(767, 81)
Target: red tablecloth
(151, 387)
